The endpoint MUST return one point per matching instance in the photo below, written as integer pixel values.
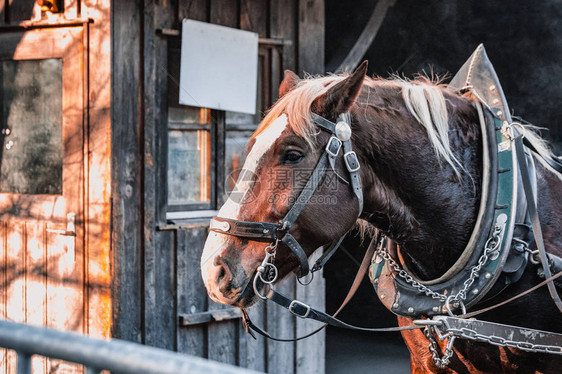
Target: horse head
(282, 156)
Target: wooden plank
(36, 261)
(15, 280)
(3, 20)
(224, 12)
(311, 36)
(276, 73)
(97, 251)
(126, 171)
(194, 9)
(190, 319)
(158, 160)
(191, 293)
(222, 339)
(64, 290)
(253, 17)
(282, 23)
(98, 192)
(3, 289)
(222, 336)
(160, 323)
(36, 289)
(310, 352)
(281, 323)
(251, 351)
(159, 257)
(151, 323)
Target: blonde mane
(423, 98)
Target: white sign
(219, 67)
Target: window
(191, 131)
(31, 153)
(240, 127)
(206, 148)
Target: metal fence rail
(96, 355)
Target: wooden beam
(366, 38)
(213, 315)
(126, 183)
(311, 24)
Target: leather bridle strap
(535, 222)
(280, 231)
(553, 278)
(350, 158)
(328, 253)
(296, 307)
(244, 229)
(554, 163)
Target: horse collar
(490, 248)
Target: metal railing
(97, 355)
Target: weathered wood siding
(156, 265)
(45, 278)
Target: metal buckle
(296, 302)
(219, 225)
(337, 145)
(354, 160)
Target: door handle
(70, 226)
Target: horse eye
(292, 157)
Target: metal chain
(407, 277)
(491, 246)
(440, 362)
(470, 334)
(267, 271)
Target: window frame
(270, 53)
(214, 128)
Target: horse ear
(340, 98)
(290, 81)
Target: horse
(419, 146)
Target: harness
(499, 248)
(496, 255)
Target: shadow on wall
(47, 278)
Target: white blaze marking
(231, 209)
(264, 141)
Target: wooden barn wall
(155, 265)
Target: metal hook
(448, 306)
(255, 285)
(303, 283)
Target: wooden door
(42, 182)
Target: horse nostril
(222, 273)
(223, 277)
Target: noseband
(275, 232)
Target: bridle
(280, 232)
(267, 272)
